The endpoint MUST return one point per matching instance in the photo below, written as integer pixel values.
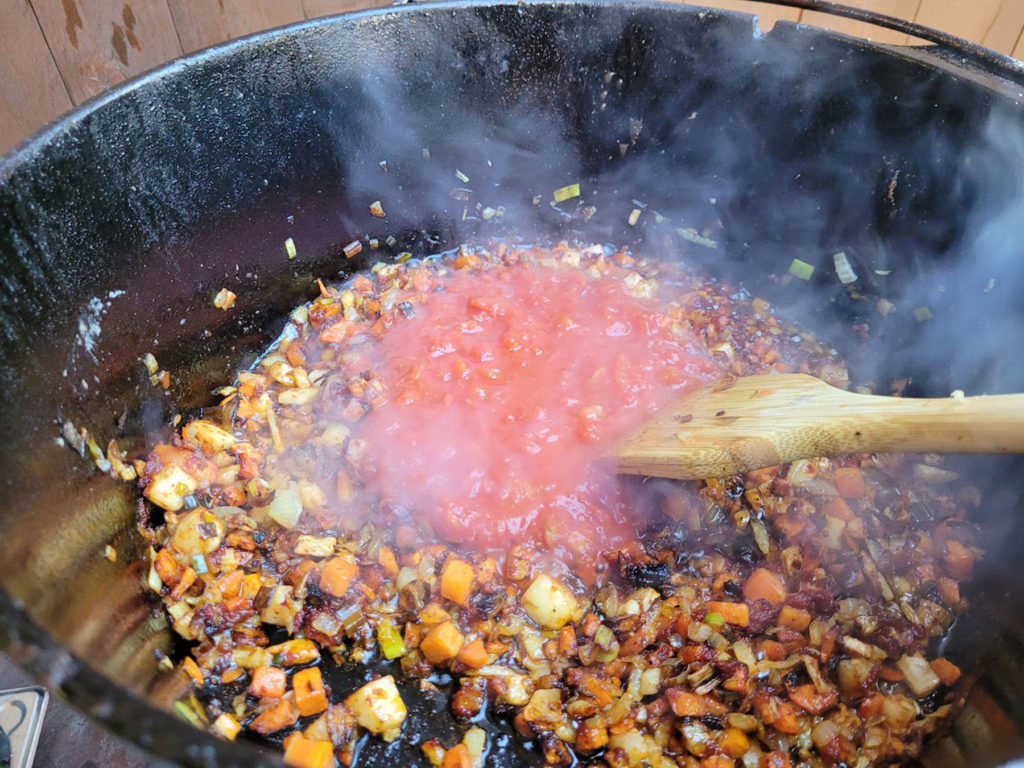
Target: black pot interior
(119, 224)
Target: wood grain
(901, 9)
(314, 9)
(31, 91)
(759, 421)
(201, 23)
(99, 43)
(51, 50)
(1005, 29)
(971, 21)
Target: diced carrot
(167, 568)
(336, 576)
(193, 671)
(737, 614)
(442, 643)
(787, 719)
(871, 706)
(337, 332)
(268, 682)
(281, 715)
(773, 650)
(310, 696)
(890, 674)
(838, 507)
(849, 482)
(947, 671)
(775, 760)
(457, 581)
(794, 618)
(808, 698)
(688, 704)
(764, 585)
(782, 716)
(235, 673)
(386, 557)
(734, 742)
(603, 690)
(457, 757)
(230, 584)
(567, 643)
(717, 761)
(307, 753)
(473, 654)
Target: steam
(976, 296)
(777, 145)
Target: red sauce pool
(504, 386)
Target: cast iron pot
(120, 222)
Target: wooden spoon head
(731, 426)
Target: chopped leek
(567, 193)
(391, 644)
(801, 269)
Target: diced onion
(844, 271)
(286, 507)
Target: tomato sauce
(504, 386)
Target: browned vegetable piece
(268, 682)
(281, 715)
(442, 642)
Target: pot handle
(1006, 66)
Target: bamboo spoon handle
(759, 421)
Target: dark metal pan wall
(118, 224)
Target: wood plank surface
(31, 91)
(201, 23)
(901, 9)
(1005, 31)
(314, 9)
(51, 50)
(970, 20)
(99, 43)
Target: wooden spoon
(751, 422)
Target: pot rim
(132, 717)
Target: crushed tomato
(505, 385)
